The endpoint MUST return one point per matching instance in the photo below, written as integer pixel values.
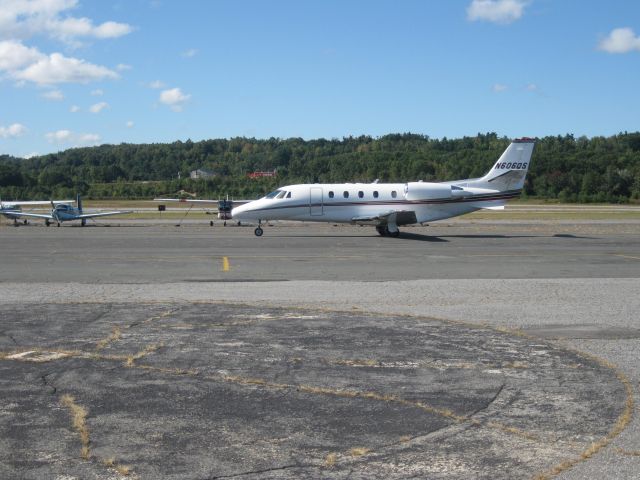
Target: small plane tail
(79, 203)
(510, 170)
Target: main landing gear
(384, 231)
(258, 231)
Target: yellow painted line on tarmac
(225, 264)
(626, 256)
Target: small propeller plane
(9, 209)
(224, 206)
(390, 205)
(65, 212)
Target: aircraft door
(316, 207)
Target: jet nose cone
(237, 212)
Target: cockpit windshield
(276, 194)
(272, 194)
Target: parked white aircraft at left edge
(64, 212)
(8, 209)
(389, 205)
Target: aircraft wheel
(224, 224)
(58, 224)
(211, 223)
(258, 231)
(24, 221)
(395, 234)
(381, 231)
(47, 223)
(83, 222)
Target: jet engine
(426, 191)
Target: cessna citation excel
(390, 205)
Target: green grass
(577, 211)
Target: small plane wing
(194, 200)
(184, 200)
(16, 213)
(103, 214)
(35, 202)
(399, 217)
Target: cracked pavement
(210, 390)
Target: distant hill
(598, 169)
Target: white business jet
(390, 205)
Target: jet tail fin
(510, 170)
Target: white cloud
(23, 19)
(98, 107)
(23, 63)
(60, 136)
(56, 68)
(26, 18)
(74, 108)
(129, 124)
(174, 98)
(55, 95)
(12, 131)
(121, 67)
(499, 87)
(88, 139)
(98, 92)
(190, 53)
(14, 56)
(75, 139)
(532, 87)
(111, 30)
(620, 40)
(496, 11)
(157, 84)
(31, 155)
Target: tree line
(597, 169)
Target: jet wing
(398, 217)
(103, 214)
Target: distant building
(201, 173)
(269, 173)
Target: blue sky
(81, 72)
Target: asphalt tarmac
(459, 350)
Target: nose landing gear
(258, 231)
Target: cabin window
(394, 194)
(281, 194)
(288, 194)
(330, 194)
(375, 194)
(360, 194)
(345, 194)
